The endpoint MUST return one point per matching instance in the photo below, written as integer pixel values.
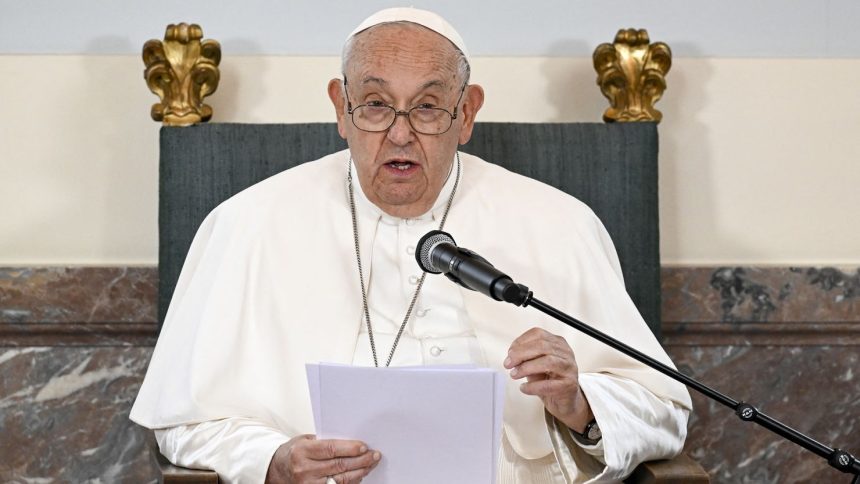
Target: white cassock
(270, 283)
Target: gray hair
(464, 71)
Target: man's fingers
(530, 335)
(332, 448)
(535, 343)
(345, 465)
(537, 349)
(521, 353)
(550, 365)
(543, 388)
(351, 477)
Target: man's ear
(335, 93)
(474, 99)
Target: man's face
(400, 170)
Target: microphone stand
(520, 295)
(438, 253)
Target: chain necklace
(361, 273)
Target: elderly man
(316, 264)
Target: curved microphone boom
(437, 253)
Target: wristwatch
(590, 436)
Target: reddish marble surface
(761, 334)
(812, 389)
(750, 294)
(64, 410)
(64, 415)
(786, 340)
(78, 295)
(78, 306)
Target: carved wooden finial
(181, 71)
(631, 73)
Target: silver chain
(361, 272)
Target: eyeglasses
(376, 117)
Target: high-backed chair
(611, 167)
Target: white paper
(431, 424)
(314, 388)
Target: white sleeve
(637, 426)
(238, 449)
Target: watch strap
(591, 435)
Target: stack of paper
(432, 424)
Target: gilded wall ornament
(631, 73)
(181, 71)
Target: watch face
(594, 432)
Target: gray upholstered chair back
(610, 167)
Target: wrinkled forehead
(403, 54)
(401, 42)
(403, 31)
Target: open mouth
(401, 165)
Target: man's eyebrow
(375, 80)
(383, 82)
(434, 83)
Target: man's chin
(403, 206)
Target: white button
(436, 351)
(410, 221)
(423, 312)
(410, 250)
(413, 280)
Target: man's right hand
(304, 459)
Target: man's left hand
(548, 364)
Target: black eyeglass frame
(351, 110)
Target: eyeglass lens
(423, 120)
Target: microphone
(437, 253)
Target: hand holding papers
(432, 424)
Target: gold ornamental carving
(181, 71)
(631, 73)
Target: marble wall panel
(64, 415)
(784, 339)
(705, 306)
(761, 294)
(78, 294)
(74, 344)
(78, 306)
(812, 389)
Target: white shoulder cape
(270, 283)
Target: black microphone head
(425, 248)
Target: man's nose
(401, 132)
